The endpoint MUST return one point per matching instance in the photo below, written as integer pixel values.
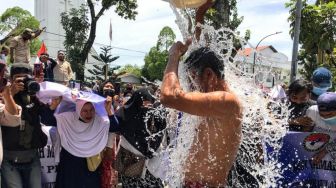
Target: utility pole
(296, 41)
(256, 48)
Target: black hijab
(137, 119)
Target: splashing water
(261, 127)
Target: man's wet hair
(203, 58)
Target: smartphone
(38, 69)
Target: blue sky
(262, 17)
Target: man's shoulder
(15, 40)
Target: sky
(262, 17)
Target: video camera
(31, 87)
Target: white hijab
(79, 138)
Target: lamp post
(256, 48)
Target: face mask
(330, 121)
(127, 98)
(319, 91)
(109, 92)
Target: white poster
(47, 158)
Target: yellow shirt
(62, 71)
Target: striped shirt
(21, 49)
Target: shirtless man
(219, 136)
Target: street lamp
(256, 48)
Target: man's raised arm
(217, 104)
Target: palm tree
(106, 57)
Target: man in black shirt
(48, 67)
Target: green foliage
(124, 8)
(14, 21)
(104, 72)
(18, 19)
(77, 23)
(224, 14)
(131, 69)
(155, 63)
(35, 46)
(166, 38)
(157, 58)
(317, 35)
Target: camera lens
(33, 87)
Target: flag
(43, 49)
(110, 33)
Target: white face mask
(330, 121)
(127, 98)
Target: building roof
(248, 51)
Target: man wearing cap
(19, 46)
(62, 70)
(324, 117)
(324, 113)
(21, 165)
(322, 82)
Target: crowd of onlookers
(117, 147)
(86, 142)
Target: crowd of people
(118, 147)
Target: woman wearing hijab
(140, 127)
(83, 135)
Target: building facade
(269, 66)
(48, 13)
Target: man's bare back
(213, 152)
(217, 140)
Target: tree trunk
(223, 13)
(87, 48)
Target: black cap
(20, 68)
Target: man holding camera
(21, 163)
(10, 113)
(20, 46)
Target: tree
(317, 36)
(224, 14)
(157, 58)
(14, 21)
(79, 22)
(166, 38)
(104, 72)
(131, 69)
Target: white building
(270, 66)
(48, 13)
